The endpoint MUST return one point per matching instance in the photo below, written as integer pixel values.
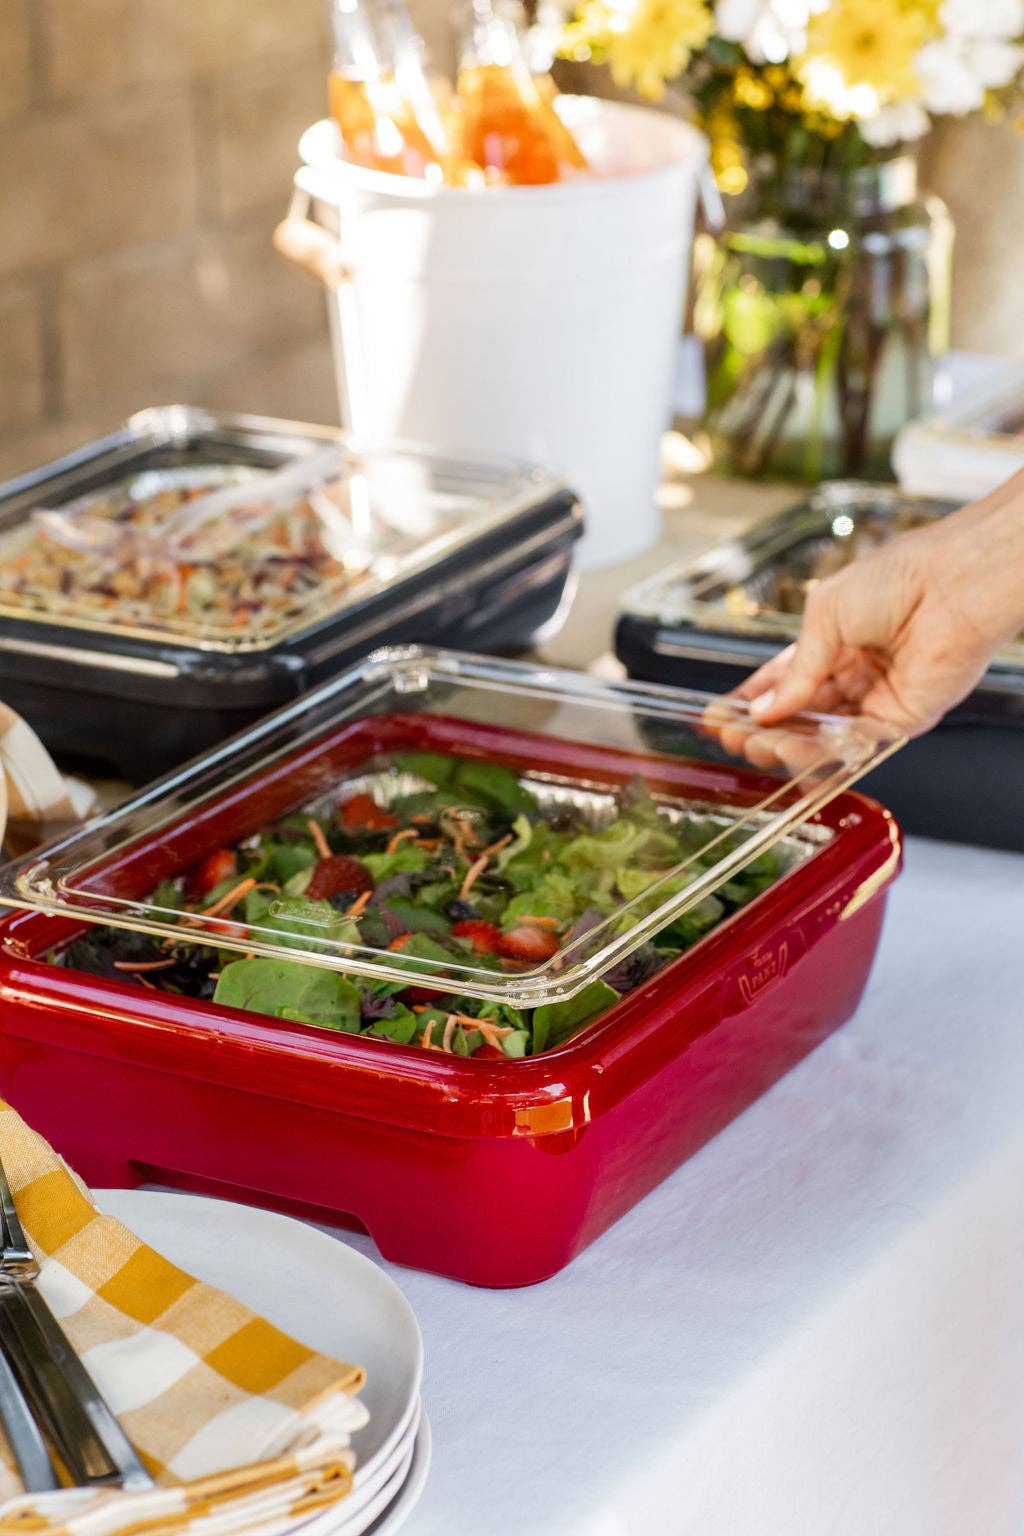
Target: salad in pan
(104, 558)
(467, 867)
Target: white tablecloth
(816, 1326)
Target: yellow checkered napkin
(242, 1427)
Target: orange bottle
(378, 129)
(506, 126)
(424, 99)
(541, 49)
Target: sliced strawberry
(528, 944)
(225, 929)
(413, 995)
(484, 937)
(489, 1053)
(217, 866)
(362, 813)
(338, 873)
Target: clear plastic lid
(576, 818)
(236, 558)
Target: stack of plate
(331, 1298)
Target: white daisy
(983, 18)
(769, 31)
(899, 123)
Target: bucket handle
(309, 246)
(711, 204)
(300, 240)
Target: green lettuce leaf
(554, 895)
(406, 860)
(300, 923)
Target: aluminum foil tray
(594, 802)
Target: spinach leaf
(495, 785)
(417, 917)
(286, 989)
(280, 861)
(487, 784)
(555, 1022)
(421, 947)
(435, 767)
(401, 1028)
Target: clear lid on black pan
(242, 554)
(611, 810)
(756, 585)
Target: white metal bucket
(535, 323)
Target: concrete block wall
(146, 152)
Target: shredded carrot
(539, 922)
(473, 873)
(478, 866)
(486, 1026)
(463, 833)
(423, 819)
(224, 904)
(144, 965)
(316, 832)
(401, 837)
(425, 1042)
(358, 907)
(450, 1025)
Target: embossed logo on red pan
(766, 966)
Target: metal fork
(23, 1436)
(91, 1442)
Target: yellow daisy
(860, 54)
(646, 43)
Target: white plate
(394, 1514)
(354, 1522)
(412, 1490)
(384, 1472)
(308, 1284)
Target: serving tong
(211, 526)
(45, 1386)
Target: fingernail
(763, 703)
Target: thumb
(811, 662)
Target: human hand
(906, 632)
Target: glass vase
(822, 308)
